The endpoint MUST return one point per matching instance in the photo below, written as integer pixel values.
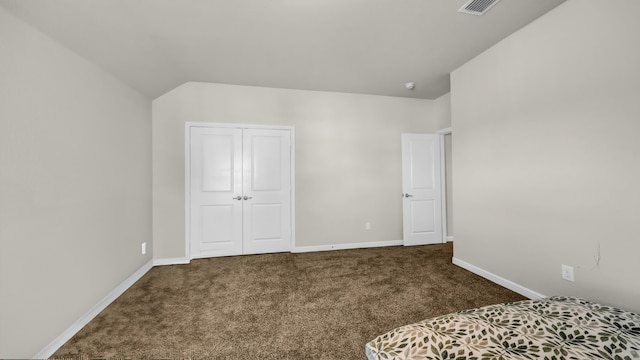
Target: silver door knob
(408, 195)
(247, 197)
(237, 197)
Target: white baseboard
(499, 280)
(171, 261)
(450, 238)
(48, 350)
(300, 249)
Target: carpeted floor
(323, 305)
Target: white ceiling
(355, 46)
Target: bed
(550, 328)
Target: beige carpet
(323, 305)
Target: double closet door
(240, 191)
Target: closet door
(240, 191)
(267, 191)
(216, 192)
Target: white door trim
(443, 188)
(187, 176)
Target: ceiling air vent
(477, 7)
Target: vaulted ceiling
(355, 46)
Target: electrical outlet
(567, 272)
(143, 248)
(367, 226)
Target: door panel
(214, 222)
(421, 175)
(267, 221)
(217, 162)
(422, 222)
(216, 178)
(422, 216)
(266, 162)
(267, 184)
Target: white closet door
(216, 190)
(240, 191)
(267, 191)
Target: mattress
(550, 328)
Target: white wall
(546, 154)
(442, 116)
(75, 186)
(448, 158)
(348, 168)
(441, 113)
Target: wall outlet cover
(567, 272)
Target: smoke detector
(477, 7)
(410, 85)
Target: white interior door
(267, 191)
(216, 192)
(421, 182)
(240, 191)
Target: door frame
(187, 177)
(443, 187)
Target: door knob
(247, 197)
(237, 197)
(408, 195)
